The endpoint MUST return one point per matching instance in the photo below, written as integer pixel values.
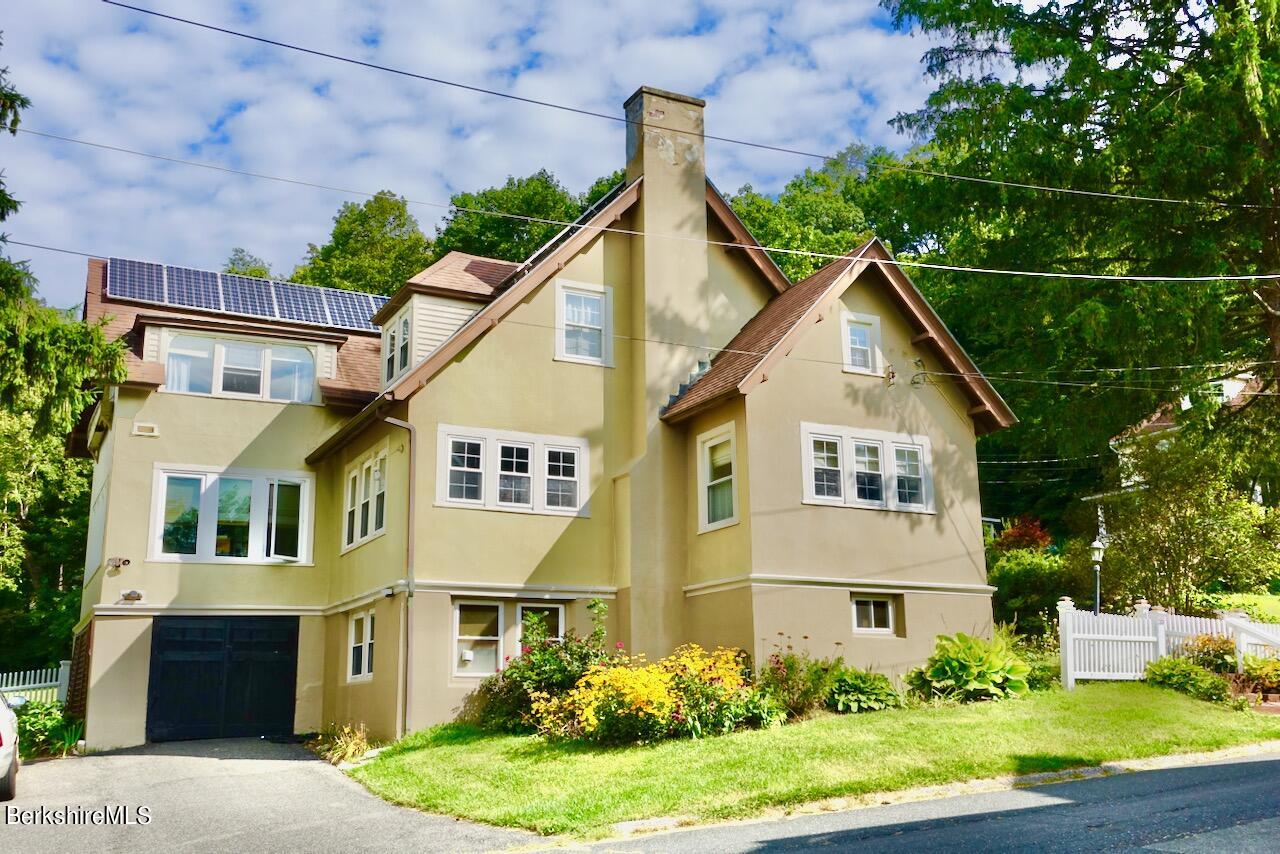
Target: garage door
(221, 677)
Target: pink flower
(524, 649)
(620, 644)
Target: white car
(9, 746)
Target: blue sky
(807, 75)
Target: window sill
(583, 360)
(358, 680)
(863, 371)
(470, 676)
(581, 513)
(241, 398)
(918, 511)
(716, 526)
(358, 543)
(226, 561)
(880, 633)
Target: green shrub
(798, 682)
(1028, 585)
(1040, 653)
(968, 668)
(1263, 672)
(1182, 674)
(1212, 652)
(545, 666)
(856, 690)
(43, 730)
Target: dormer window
(397, 345)
(242, 368)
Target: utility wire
(622, 119)
(896, 262)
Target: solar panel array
(181, 287)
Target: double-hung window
(390, 360)
(360, 645)
(862, 344)
(516, 472)
(908, 475)
(233, 515)
(397, 345)
(477, 638)
(196, 364)
(584, 323)
(717, 484)
(404, 342)
(552, 617)
(365, 495)
(873, 469)
(868, 479)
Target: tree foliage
(1188, 527)
(242, 262)
(540, 197)
(1160, 98)
(375, 246)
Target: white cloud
(810, 75)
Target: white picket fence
(1120, 646)
(38, 685)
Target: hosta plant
(968, 668)
(862, 691)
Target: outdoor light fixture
(1096, 550)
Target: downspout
(409, 571)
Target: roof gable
(770, 336)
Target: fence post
(1160, 615)
(1141, 608)
(1066, 609)
(64, 680)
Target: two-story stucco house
(315, 506)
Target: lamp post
(1096, 549)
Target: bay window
(230, 516)
(365, 499)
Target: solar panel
(245, 295)
(193, 288)
(300, 302)
(348, 308)
(135, 280)
(184, 287)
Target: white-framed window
(515, 472)
(365, 499)
(873, 614)
(868, 473)
(878, 470)
(209, 515)
(584, 323)
(717, 478)
(862, 344)
(477, 638)
(360, 645)
(397, 345)
(908, 476)
(552, 616)
(239, 368)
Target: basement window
(873, 614)
(477, 638)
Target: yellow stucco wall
(724, 552)
(793, 538)
(374, 701)
(119, 667)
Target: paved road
(1228, 806)
(241, 795)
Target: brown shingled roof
(458, 275)
(359, 354)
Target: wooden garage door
(221, 677)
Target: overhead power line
(497, 93)
(896, 262)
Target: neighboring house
(303, 516)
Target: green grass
(1264, 603)
(557, 788)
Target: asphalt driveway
(231, 795)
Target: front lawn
(523, 781)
